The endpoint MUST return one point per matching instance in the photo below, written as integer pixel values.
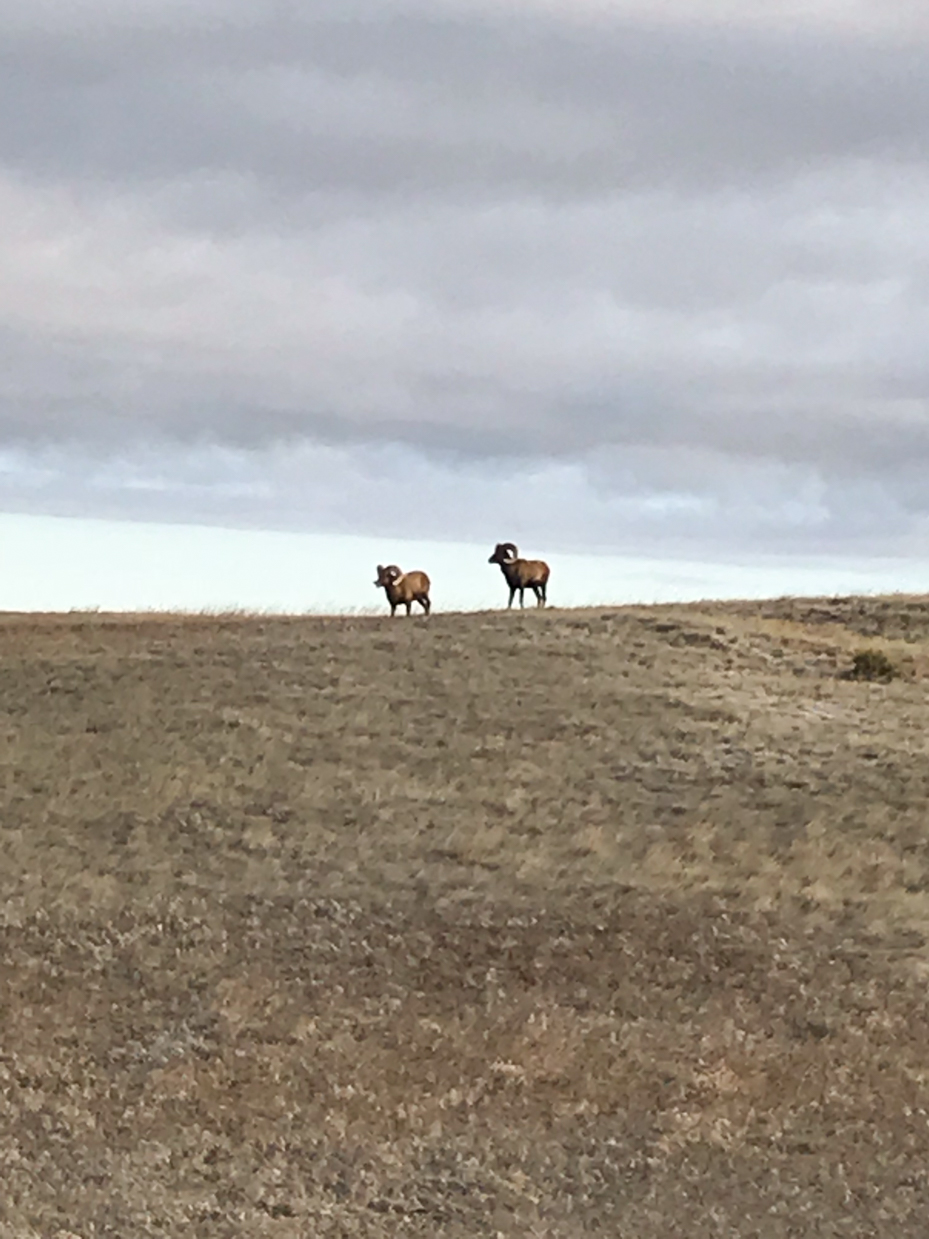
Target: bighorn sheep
(403, 588)
(521, 574)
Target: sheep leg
(522, 591)
(424, 603)
(409, 607)
(512, 596)
(393, 609)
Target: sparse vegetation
(873, 665)
(601, 922)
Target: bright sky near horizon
(55, 564)
(644, 278)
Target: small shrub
(873, 665)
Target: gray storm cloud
(576, 270)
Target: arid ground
(565, 923)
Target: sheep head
(387, 575)
(504, 553)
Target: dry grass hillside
(606, 922)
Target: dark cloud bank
(594, 279)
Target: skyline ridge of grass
(590, 921)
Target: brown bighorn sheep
(403, 588)
(521, 574)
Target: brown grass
(566, 923)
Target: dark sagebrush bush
(873, 665)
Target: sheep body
(521, 574)
(403, 588)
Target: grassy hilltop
(562, 923)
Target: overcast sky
(585, 274)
